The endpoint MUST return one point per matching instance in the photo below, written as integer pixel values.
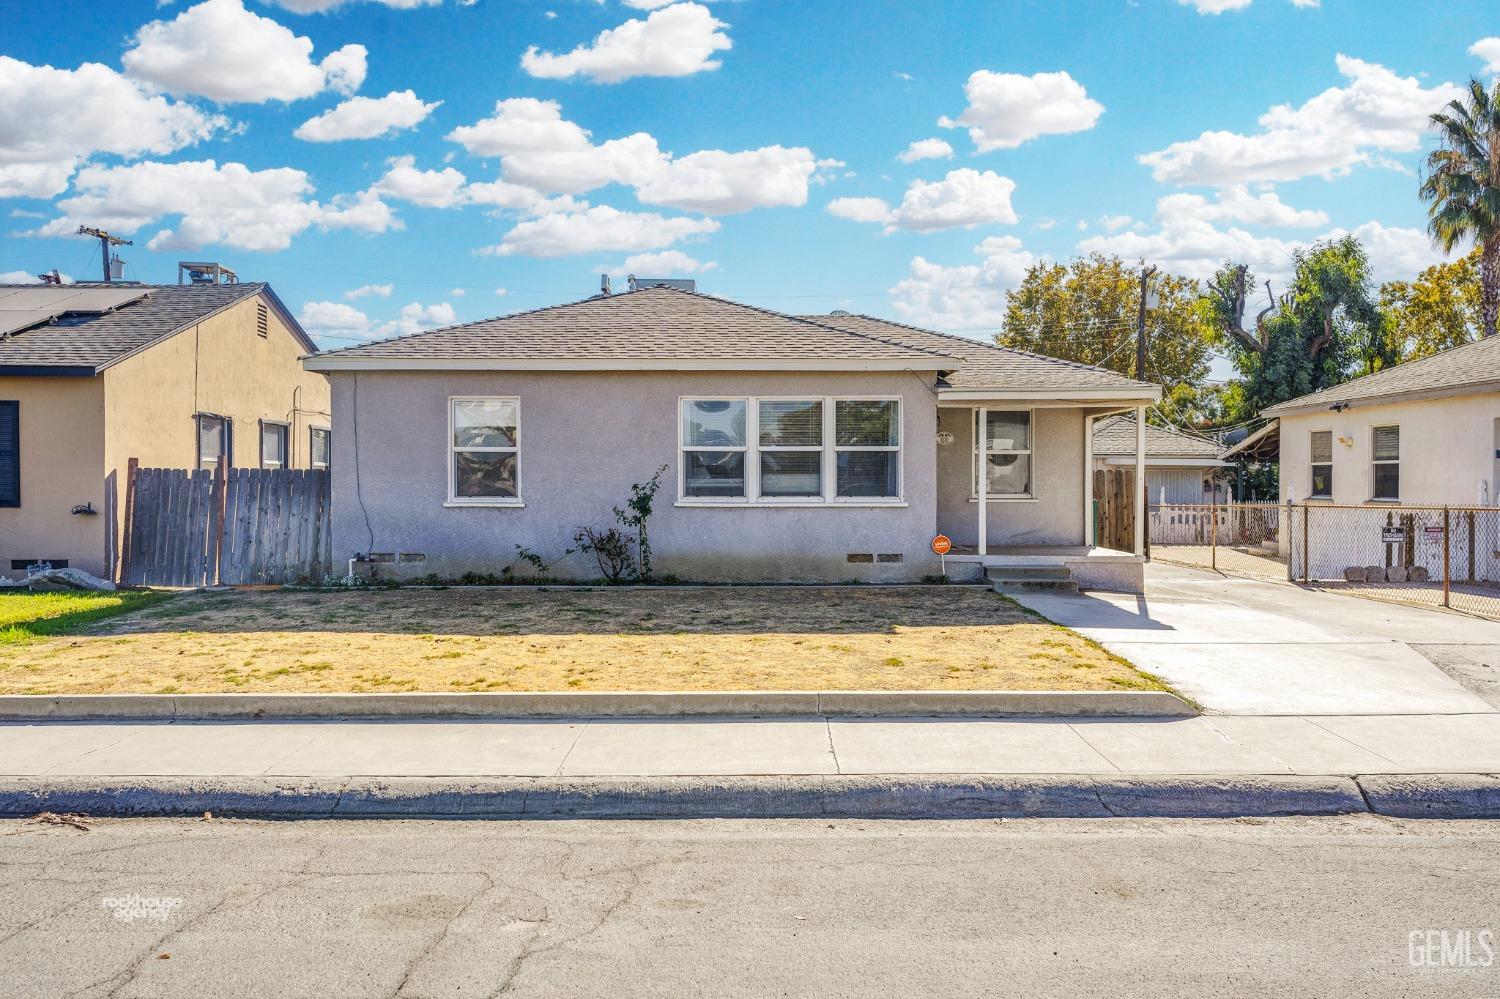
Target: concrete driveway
(1247, 646)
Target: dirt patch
(569, 639)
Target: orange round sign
(942, 545)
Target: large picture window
(1007, 458)
(484, 467)
(775, 451)
(1385, 455)
(1322, 465)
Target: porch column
(1088, 480)
(1140, 480)
(982, 473)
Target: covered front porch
(1033, 509)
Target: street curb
(624, 704)
(1434, 796)
(885, 797)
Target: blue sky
(753, 144)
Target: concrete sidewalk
(607, 748)
(1244, 646)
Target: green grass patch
(28, 616)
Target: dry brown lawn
(570, 639)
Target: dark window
(272, 444)
(215, 438)
(10, 453)
(321, 447)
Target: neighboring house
(1423, 432)
(1181, 467)
(92, 375)
(812, 448)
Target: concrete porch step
(1017, 578)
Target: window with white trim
(320, 447)
(1321, 443)
(790, 450)
(1008, 461)
(1385, 457)
(215, 439)
(272, 444)
(484, 461)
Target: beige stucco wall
(1053, 516)
(585, 437)
(1448, 448)
(62, 454)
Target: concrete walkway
(1313, 746)
(1250, 647)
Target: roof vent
(681, 284)
(838, 312)
(204, 272)
(604, 284)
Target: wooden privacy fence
(227, 525)
(1114, 509)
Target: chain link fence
(1439, 556)
(1240, 538)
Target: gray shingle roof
(986, 365)
(650, 323)
(1115, 435)
(93, 341)
(1472, 366)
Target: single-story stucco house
(92, 375)
(1181, 467)
(797, 448)
(1425, 432)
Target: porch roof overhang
(1133, 395)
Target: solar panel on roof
(21, 308)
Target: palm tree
(1462, 187)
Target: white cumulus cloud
(367, 117)
(540, 150)
(1339, 129)
(677, 40)
(52, 120)
(963, 199)
(364, 290)
(1008, 109)
(1487, 49)
(668, 263)
(322, 6)
(1215, 6)
(222, 51)
(926, 149)
(598, 229)
(965, 296)
(230, 205)
(431, 188)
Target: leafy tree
(1312, 337)
(1086, 311)
(1462, 187)
(1442, 308)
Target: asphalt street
(1289, 907)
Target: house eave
(1136, 395)
(1293, 408)
(333, 362)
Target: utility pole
(1140, 327)
(105, 242)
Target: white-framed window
(320, 447)
(272, 444)
(484, 450)
(215, 438)
(789, 450)
(1008, 461)
(1385, 459)
(1321, 450)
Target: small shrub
(611, 549)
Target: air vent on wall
(262, 320)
